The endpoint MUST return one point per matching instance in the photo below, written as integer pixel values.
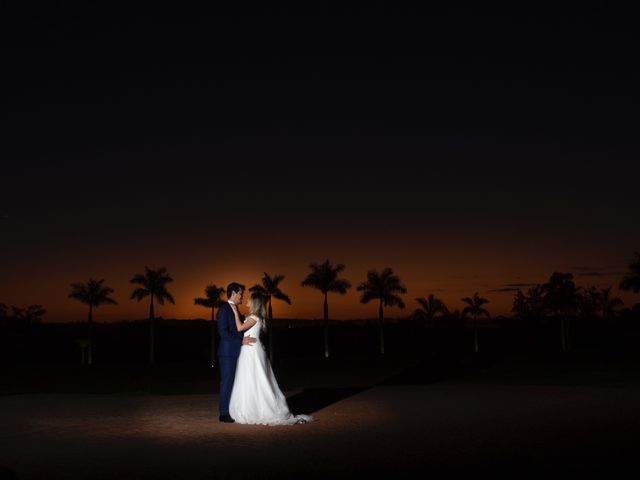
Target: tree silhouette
(561, 298)
(212, 300)
(324, 277)
(589, 301)
(270, 288)
(382, 286)
(153, 285)
(93, 293)
(4, 315)
(474, 308)
(529, 306)
(430, 308)
(32, 315)
(607, 304)
(631, 279)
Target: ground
(477, 422)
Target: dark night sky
(467, 147)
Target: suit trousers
(228, 365)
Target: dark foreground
(491, 420)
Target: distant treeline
(555, 313)
(189, 341)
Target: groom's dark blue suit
(228, 351)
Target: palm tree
(561, 298)
(588, 301)
(154, 285)
(520, 305)
(474, 308)
(324, 277)
(93, 293)
(212, 300)
(608, 304)
(529, 306)
(270, 288)
(631, 279)
(430, 308)
(382, 286)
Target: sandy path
(384, 429)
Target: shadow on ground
(434, 370)
(311, 400)
(437, 369)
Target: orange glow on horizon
(446, 279)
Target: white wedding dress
(256, 397)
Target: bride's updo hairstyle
(258, 306)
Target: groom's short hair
(234, 287)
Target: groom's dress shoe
(226, 419)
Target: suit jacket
(230, 337)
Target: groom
(230, 342)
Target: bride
(256, 397)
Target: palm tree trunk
(90, 325)
(270, 327)
(151, 333)
(563, 339)
(213, 337)
(326, 327)
(381, 321)
(475, 334)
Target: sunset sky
(469, 149)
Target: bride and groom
(249, 392)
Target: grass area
(100, 379)
(354, 371)
(292, 373)
(588, 368)
(574, 368)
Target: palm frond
(424, 303)
(312, 280)
(139, 293)
(92, 293)
(383, 285)
(139, 279)
(79, 292)
(212, 297)
(393, 301)
(107, 300)
(419, 314)
(213, 292)
(162, 294)
(203, 302)
(282, 296)
(481, 301)
(272, 282)
(324, 277)
(397, 288)
(340, 286)
(368, 296)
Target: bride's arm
(248, 323)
